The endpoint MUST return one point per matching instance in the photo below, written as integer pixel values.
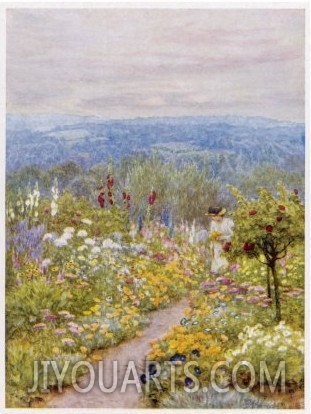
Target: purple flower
(253, 299)
(50, 317)
(239, 297)
(68, 341)
(208, 283)
(259, 289)
(234, 267)
(60, 331)
(224, 280)
(212, 290)
(233, 290)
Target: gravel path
(132, 350)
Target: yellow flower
(89, 336)
(94, 326)
(83, 349)
(213, 350)
(104, 329)
(109, 335)
(86, 326)
(96, 300)
(87, 312)
(56, 350)
(139, 334)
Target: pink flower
(253, 299)
(233, 290)
(224, 280)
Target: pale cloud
(120, 63)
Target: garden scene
(155, 192)
(87, 275)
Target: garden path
(132, 350)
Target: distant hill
(229, 142)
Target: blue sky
(124, 63)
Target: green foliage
(266, 229)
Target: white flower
(95, 250)
(86, 221)
(82, 233)
(67, 236)
(54, 208)
(60, 242)
(48, 236)
(89, 241)
(109, 244)
(282, 349)
(301, 349)
(69, 230)
(46, 262)
(82, 258)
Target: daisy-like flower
(89, 242)
(87, 221)
(69, 230)
(47, 236)
(82, 233)
(60, 242)
(95, 250)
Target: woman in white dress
(221, 232)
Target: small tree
(266, 228)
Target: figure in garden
(221, 232)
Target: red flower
(110, 194)
(252, 212)
(124, 195)
(101, 200)
(279, 218)
(128, 197)
(152, 198)
(295, 191)
(101, 187)
(74, 220)
(128, 205)
(269, 228)
(78, 213)
(111, 201)
(282, 208)
(47, 210)
(247, 247)
(226, 246)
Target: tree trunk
(276, 293)
(268, 282)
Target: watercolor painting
(155, 207)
